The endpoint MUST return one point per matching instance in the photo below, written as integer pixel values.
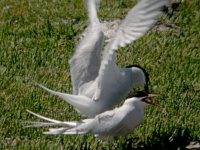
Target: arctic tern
(108, 125)
(98, 84)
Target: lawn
(37, 38)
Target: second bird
(107, 125)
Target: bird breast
(131, 120)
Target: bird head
(143, 98)
(140, 77)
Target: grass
(37, 38)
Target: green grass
(37, 38)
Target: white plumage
(107, 125)
(98, 84)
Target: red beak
(151, 103)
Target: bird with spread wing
(98, 83)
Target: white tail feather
(78, 101)
(56, 131)
(44, 118)
(44, 124)
(64, 131)
(52, 122)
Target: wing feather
(138, 21)
(85, 63)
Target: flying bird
(106, 126)
(98, 84)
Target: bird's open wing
(138, 21)
(85, 63)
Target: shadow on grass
(173, 141)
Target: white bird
(98, 84)
(107, 125)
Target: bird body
(87, 106)
(107, 125)
(98, 84)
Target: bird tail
(51, 122)
(78, 101)
(56, 131)
(65, 131)
(68, 127)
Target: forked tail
(80, 102)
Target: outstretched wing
(85, 63)
(138, 21)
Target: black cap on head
(138, 94)
(145, 73)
